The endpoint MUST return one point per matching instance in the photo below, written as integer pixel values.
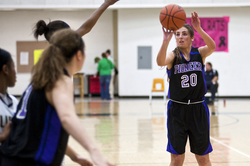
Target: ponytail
(47, 30)
(40, 28)
(177, 53)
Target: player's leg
(177, 160)
(213, 88)
(199, 135)
(102, 86)
(203, 160)
(111, 85)
(107, 84)
(177, 136)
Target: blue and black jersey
(187, 78)
(37, 136)
(184, 120)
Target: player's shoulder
(194, 50)
(215, 71)
(63, 82)
(13, 98)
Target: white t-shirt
(8, 105)
(112, 60)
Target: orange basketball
(172, 17)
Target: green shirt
(105, 66)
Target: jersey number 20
(187, 82)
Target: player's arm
(91, 21)
(215, 79)
(61, 97)
(76, 157)
(6, 131)
(210, 46)
(164, 58)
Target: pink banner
(215, 27)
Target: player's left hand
(82, 161)
(6, 130)
(195, 21)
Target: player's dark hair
(108, 51)
(210, 64)
(5, 59)
(47, 30)
(177, 49)
(104, 55)
(64, 44)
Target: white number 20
(186, 82)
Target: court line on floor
(229, 147)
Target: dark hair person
(8, 102)
(46, 114)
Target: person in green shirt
(104, 68)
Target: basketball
(172, 17)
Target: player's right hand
(167, 34)
(98, 159)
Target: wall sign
(215, 27)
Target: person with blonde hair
(46, 115)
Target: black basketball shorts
(188, 121)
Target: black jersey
(209, 75)
(187, 78)
(37, 136)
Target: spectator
(105, 67)
(211, 77)
(111, 85)
(97, 59)
(8, 103)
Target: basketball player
(47, 30)
(8, 103)
(188, 114)
(45, 114)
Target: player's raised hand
(195, 20)
(111, 2)
(167, 34)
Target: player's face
(208, 67)
(183, 38)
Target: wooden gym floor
(131, 132)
